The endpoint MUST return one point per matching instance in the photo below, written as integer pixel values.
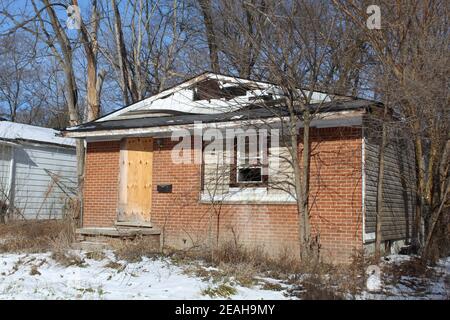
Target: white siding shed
(37, 171)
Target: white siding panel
(45, 175)
(5, 163)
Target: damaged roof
(248, 113)
(209, 98)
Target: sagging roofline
(329, 119)
(204, 76)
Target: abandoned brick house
(133, 183)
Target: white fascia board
(328, 119)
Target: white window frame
(239, 156)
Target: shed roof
(15, 132)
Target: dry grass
(96, 255)
(332, 282)
(67, 259)
(234, 263)
(413, 273)
(35, 235)
(115, 265)
(133, 250)
(414, 267)
(223, 290)
(34, 271)
(246, 266)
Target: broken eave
(163, 126)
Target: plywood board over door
(135, 181)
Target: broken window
(250, 167)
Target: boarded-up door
(135, 195)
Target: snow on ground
(435, 287)
(38, 276)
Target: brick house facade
(335, 196)
(338, 196)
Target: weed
(34, 271)
(223, 291)
(68, 259)
(134, 250)
(96, 255)
(115, 265)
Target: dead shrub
(412, 268)
(229, 252)
(133, 250)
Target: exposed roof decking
(181, 97)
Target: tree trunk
(93, 104)
(301, 180)
(121, 53)
(417, 236)
(205, 6)
(306, 161)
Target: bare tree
(412, 47)
(18, 72)
(46, 26)
(94, 81)
(205, 6)
(295, 44)
(149, 37)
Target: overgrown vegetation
(133, 250)
(233, 263)
(229, 266)
(36, 235)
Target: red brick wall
(336, 190)
(101, 184)
(335, 199)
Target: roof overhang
(328, 119)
